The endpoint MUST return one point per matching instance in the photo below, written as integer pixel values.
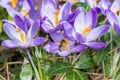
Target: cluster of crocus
(110, 9)
(70, 31)
(22, 35)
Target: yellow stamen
(14, 3)
(22, 36)
(26, 13)
(86, 31)
(57, 17)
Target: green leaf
(1, 78)
(16, 70)
(99, 57)
(1, 26)
(60, 68)
(47, 65)
(84, 5)
(76, 75)
(26, 73)
(85, 62)
(101, 19)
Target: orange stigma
(57, 17)
(14, 3)
(86, 31)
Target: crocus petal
(9, 44)
(56, 36)
(29, 6)
(69, 31)
(12, 12)
(10, 30)
(29, 22)
(115, 5)
(79, 22)
(25, 5)
(92, 3)
(117, 28)
(80, 38)
(50, 2)
(31, 3)
(51, 47)
(20, 22)
(111, 17)
(82, 0)
(97, 32)
(65, 11)
(78, 48)
(46, 26)
(64, 53)
(4, 3)
(91, 19)
(96, 45)
(33, 30)
(7, 21)
(37, 41)
(72, 16)
(50, 13)
(105, 4)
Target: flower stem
(33, 65)
(39, 55)
(40, 69)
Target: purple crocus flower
(115, 7)
(27, 10)
(21, 35)
(53, 16)
(114, 20)
(62, 45)
(10, 3)
(97, 3)
(84, 31)
(111, 14)
(106, 5)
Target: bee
(64, 45)
(97, 1)
(117, 12)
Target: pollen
(86, 31)
(57, 17)
(18, 30)
(26, 13)
(14, 3)
(22, 36)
